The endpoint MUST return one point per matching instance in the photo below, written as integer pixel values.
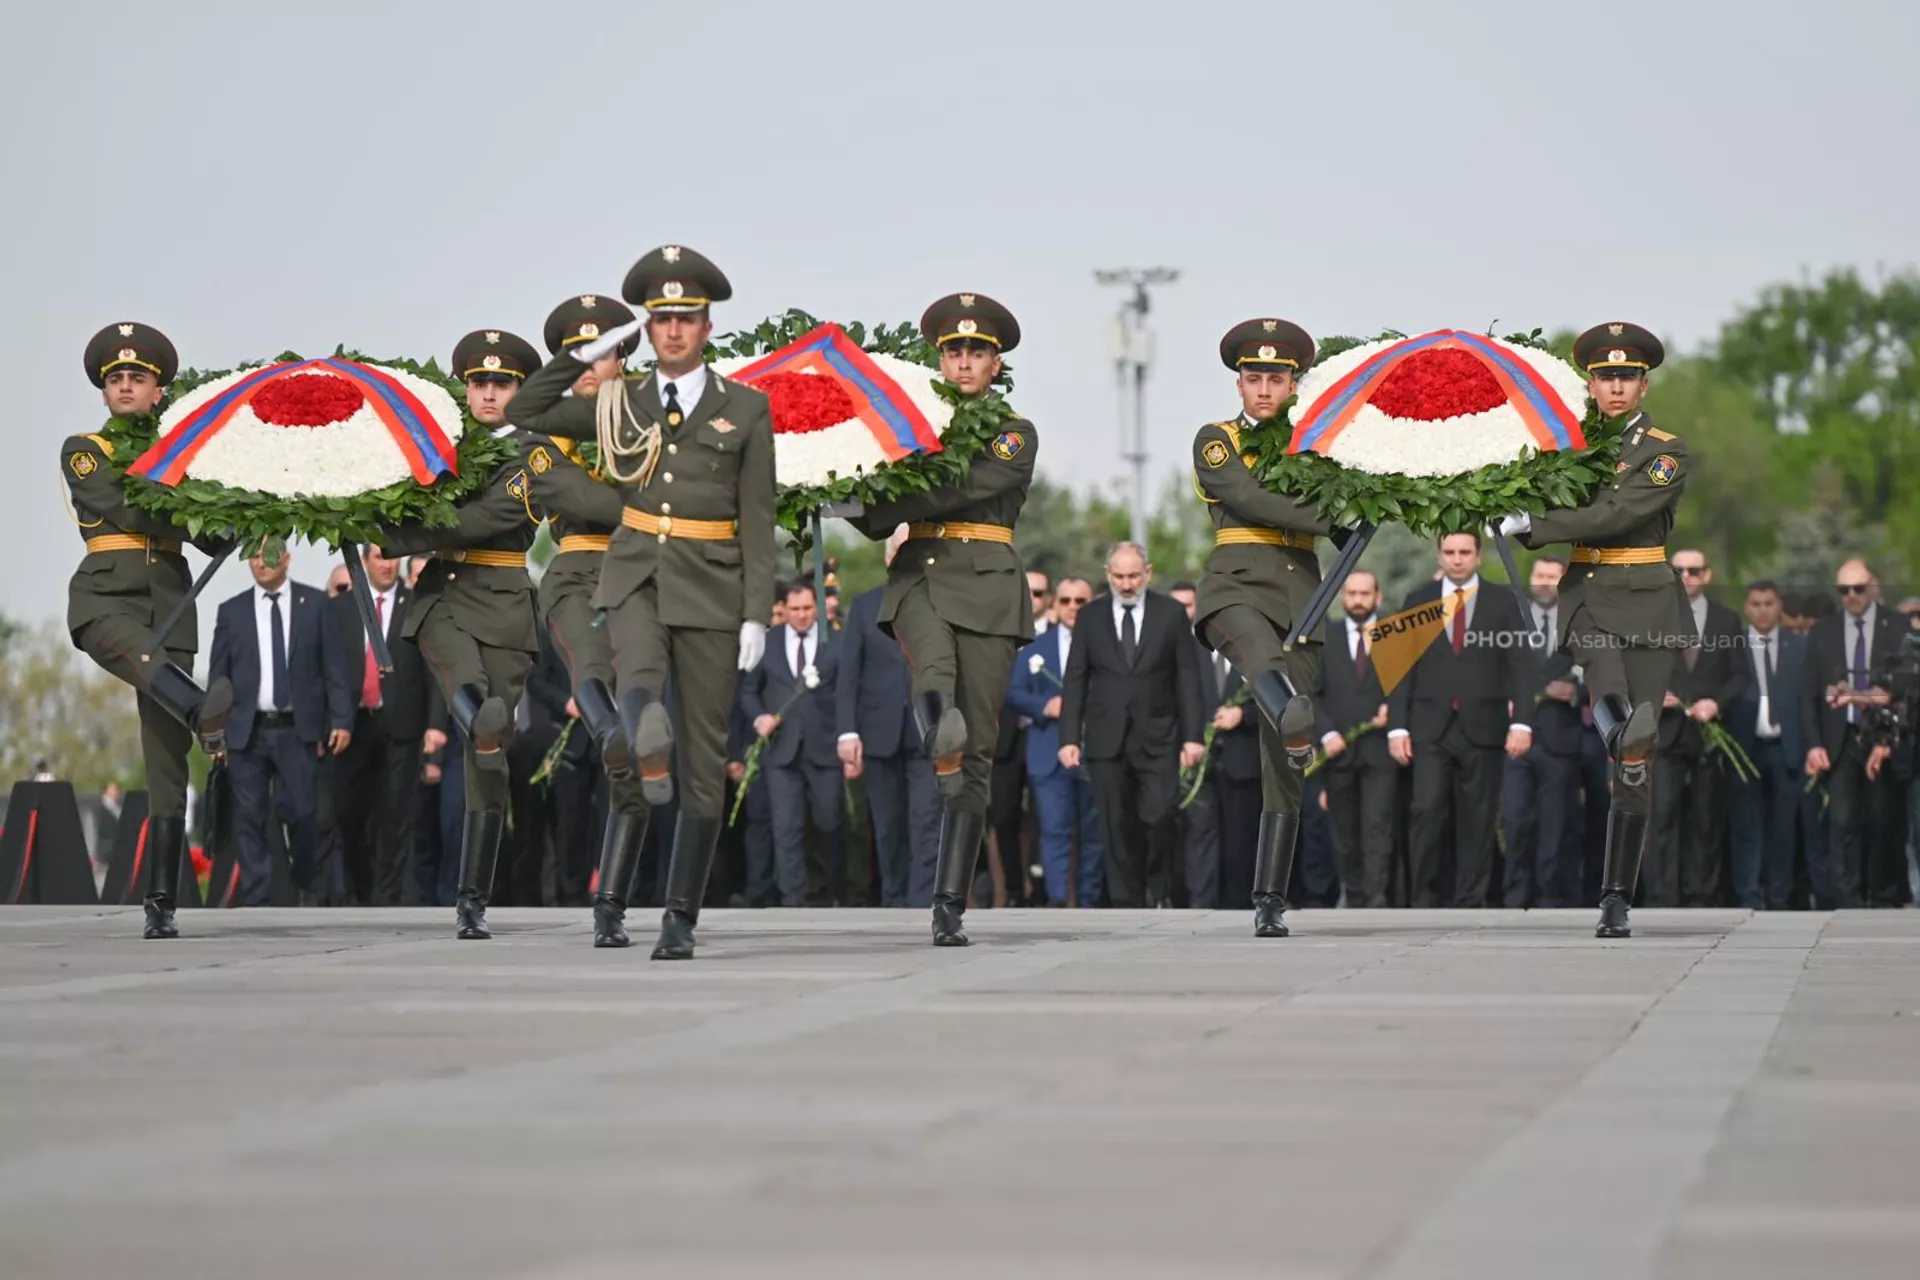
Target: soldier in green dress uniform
(131, 577)
(584, 511)
(473, 614)
(1625, 607)
(956, 596)
(1260, 575)
(686, 579)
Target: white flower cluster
(1378, 444)
(847, 448)
(340, 460)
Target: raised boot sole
(950, 752)
(653, 746)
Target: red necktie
(370, 681)
(1459, 619)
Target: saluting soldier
(584, 510)
(956, 596)
(685, 581)
(1625, 606)
(131, 577)
(473, 607)
(1260, 575)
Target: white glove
(606, 343)
(1518, 522)
(753, 644)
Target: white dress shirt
(1699, 607)
(1472, 589)
(1765, 648)
(1849, 634)
(263, 632)
(1065, 633)
(1139, 616)
(1355, 631)
(812, 637)
(688, 387)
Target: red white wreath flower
(1439, 404)
(819, 433)
(320, 429)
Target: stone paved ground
(297, 1094)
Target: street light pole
(1132, 345)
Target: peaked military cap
(1267, 345)
(495, 352)
(131, 345)
(585, 318)
(970, 316)
(674, 280)
(1618, 348)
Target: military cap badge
(671, 253)
(1616, 329)
(1663, 469)
(1007, 445)
(1216, 453)
(128, 353)
(966, 300)
(126, 331)
(490, 362)
(588, 300)
(589, 330)
(1270, 325)
(967, 326)
(673, 289)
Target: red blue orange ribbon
(897, 424)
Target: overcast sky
(257, 177)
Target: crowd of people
(658, 694)
(842, 808)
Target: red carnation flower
(307, 400)
(802, 402)
(1430, 385)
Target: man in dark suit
(753, 831)
(790, 697)
(1132, 708)
(1685, 847)
(1849, 656)
(1361, 777)
(292, 704)
(1764, 814)
(1540, 794)
(541, 716)
(1007, 790)
(1222, 823)
(1466, 697)
(376, 777)
(1063, 797)
(878, 742)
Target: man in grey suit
(877, 741)
(789, 697)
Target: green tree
(1813, 542)
(1836, 366)
(1736, 483)
(56, 705)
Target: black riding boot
(960, 834)
(204, 711)
(1272, 868)
(619, 855)
(479, 851)
(694, 841)
(602, 719)
(166, 844)
(1620, 873)
(1290, 714)
(650, 732)
(943, 736)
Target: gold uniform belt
(492, 559)
(1619, 555)
(665, 526)
(962, 531)
(132, 542)
(584, 542)
(1263, 537)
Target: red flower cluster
(1430, 385)
(307, 400)
(805, 402)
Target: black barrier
(43, 854)
(128, 866)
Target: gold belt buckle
(940, 530)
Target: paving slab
(1384, 1094)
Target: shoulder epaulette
(106, 446)
(1660, 435)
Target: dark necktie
(1360, 654)
(279, 653)
(1859, 665)
(671, 395)
(1766, 682)
(1459, 619)
(800, 658)
(1129, 642)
